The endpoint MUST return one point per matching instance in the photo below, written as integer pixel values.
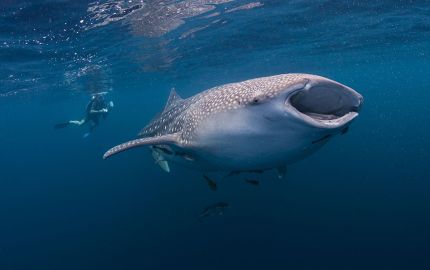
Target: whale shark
(254, 125)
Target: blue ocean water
(361, 202)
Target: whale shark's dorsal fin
(173, 99)
(164, 139)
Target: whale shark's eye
(259, 98)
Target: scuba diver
(96, 109)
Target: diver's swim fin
(61, 125)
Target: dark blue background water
(362, 202)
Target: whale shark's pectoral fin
(164, 139)
(164, 165)
(282, 171)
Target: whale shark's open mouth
(326, 104)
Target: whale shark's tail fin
(164, 139)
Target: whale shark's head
(315, 109)
(305, 100)
(299, 115)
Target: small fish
(345, 130)
(214, 209)
(282, 171)
(252, 182)
(211, 183)
(234, 173)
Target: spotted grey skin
(256, 124)
(184, 116)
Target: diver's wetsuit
(95, 109)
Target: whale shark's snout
(324, 103)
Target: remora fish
(252, 182)
(259, 124)
(214, 209)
